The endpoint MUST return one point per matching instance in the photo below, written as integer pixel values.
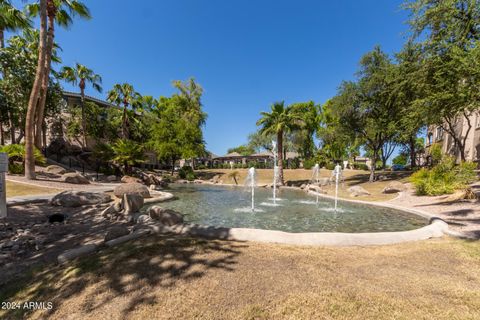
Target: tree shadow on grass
(135, 270)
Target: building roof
(74, 95)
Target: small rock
(111, 178)
(357, 191)
(55, 170)
(110, 210)
(394, 187)
(75, 178)
(130, 179)
(142, 219)
(116, 232)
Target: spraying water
(250, 181)
(337, 171)
(275, 171)
(316, 171)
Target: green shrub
(190, 176)
(435, 153)
(16, 168)
(186, 171)
(201, 167)
(360, 166)
(309, 164)
(16, 157)
(330, 166)
(444, 178)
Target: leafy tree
(449, 32)
(365, 109)
(278, 121)
(401, 159)
(81, 75)
(244, 150)
(310, 115)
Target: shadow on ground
(158, 261)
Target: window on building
(478, 120)
(430, 138)
(439, 133)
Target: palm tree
(11, 19)
(280, 120)
(127, 153)
(126, 95)
(81, 75)
(61, 12)
(32, 102)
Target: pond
(225, 206)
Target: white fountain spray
(250, 182)
(337, 173)
(275, 171)
(315, 179)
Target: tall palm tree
(32, 102)
(81, 75)
(11, 19)
(280, 120)
(61, 12)
(126, 95)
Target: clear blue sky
(246, 54)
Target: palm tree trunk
(124, 122)
(280, 156)
(2, 38)
(84, 125)
(40, 113)
(32, 102)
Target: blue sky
(246, 54)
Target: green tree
(244, 150)
(449, 32)
(81, 75)
(310, 115)
(62, 13)
(126, 95)
(279, 121)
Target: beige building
(436, 134)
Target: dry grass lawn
(185, 278)
(15, 189)
(352, 177)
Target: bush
(360, 166)
(201, 167)
(185, 172)
(444, 178)
(309, 164)
(16, 157)
(330, 166)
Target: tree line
(31, 92)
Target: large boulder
(167, 217)
(357, 191)
(130, 179)
(55, 170)
(394, 187)
(131, 188)
(79, 198)
(315, 188)
(116, 232)
(132, 203)
(74, 178)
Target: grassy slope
(352, 177)
(185, 278)
(21, 189)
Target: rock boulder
(116, 232)
(394, 187)
(167, 217)
(132, 203)
(131, 188)
(357, 191)
(79, 198)
(75, 178)
(130, 179)
(55, 170)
